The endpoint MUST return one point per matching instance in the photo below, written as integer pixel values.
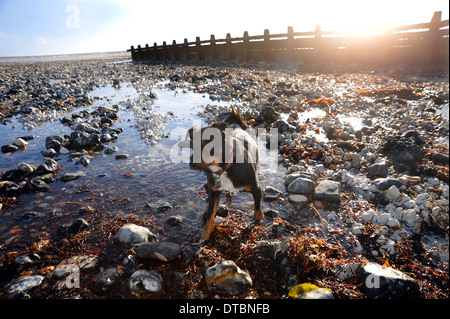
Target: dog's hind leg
(259, 215)
(213, 204)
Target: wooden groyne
(417, 44)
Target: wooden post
(133, 53)
(212, 47)
(432, 49)
(228, 47)
(245, 46)
(156, 56)
(139, 55)
(318, 43)
(290, 44)
(266, 47)
(146, 52)
(185, 49)
(198, 49)
(174, 51)
(165, 52)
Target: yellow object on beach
(302, 288)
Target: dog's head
(207, 144)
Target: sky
(47, 27)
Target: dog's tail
(236, 118)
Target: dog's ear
(236, 118)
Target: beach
(93, 204)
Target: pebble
(328, 191)
(145, 283)
(393, 193)
(131, 235)
(26, 284)
(227, 279)
(381, 282)
(316, 294)
(164, 251)
(301, 185)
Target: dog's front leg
(257, 194)
(213, 204)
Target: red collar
(226, 167)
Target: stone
(9, 148)
(164, 251)
(26, 284)
(316, 294)
(145, 283)
(271, 193)
(20, 143)
(301, 185)
(384, 183)
(227, 279)
(121, 156)
(298, 199)
(328, 191)
(130, 235)
(67, 177)
(26, 168)
(392, 194)
(106, 281)
(54, 141)
(111, 149)
(381, 282)
(49, 166)
(378, 169)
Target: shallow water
(137, 185)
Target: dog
(231, 168)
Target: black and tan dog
(231, 168)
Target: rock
(406, 150)
(67, 177)
(106, 281)
(85, 140)
(269, 114)
(298, 199)
(381, 282)
(384, 183)
(49, 153)
(145, 283)
(20, 143)
(63, 151)
(9, 148)
(164, 251)
(9, 189)
(328, 191)
(111, 149)
(227, 279)
(25, 284)
(25, 261)
(271, 193)
(392, 194)
(26, 168)
(439, 159)
(316, 294)
(131, 235)
(74, 228)
(54, 142)
(378, 169)
(174, 220)
(301, 185)
(84, 160)
(121, 156)
(49, 166)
